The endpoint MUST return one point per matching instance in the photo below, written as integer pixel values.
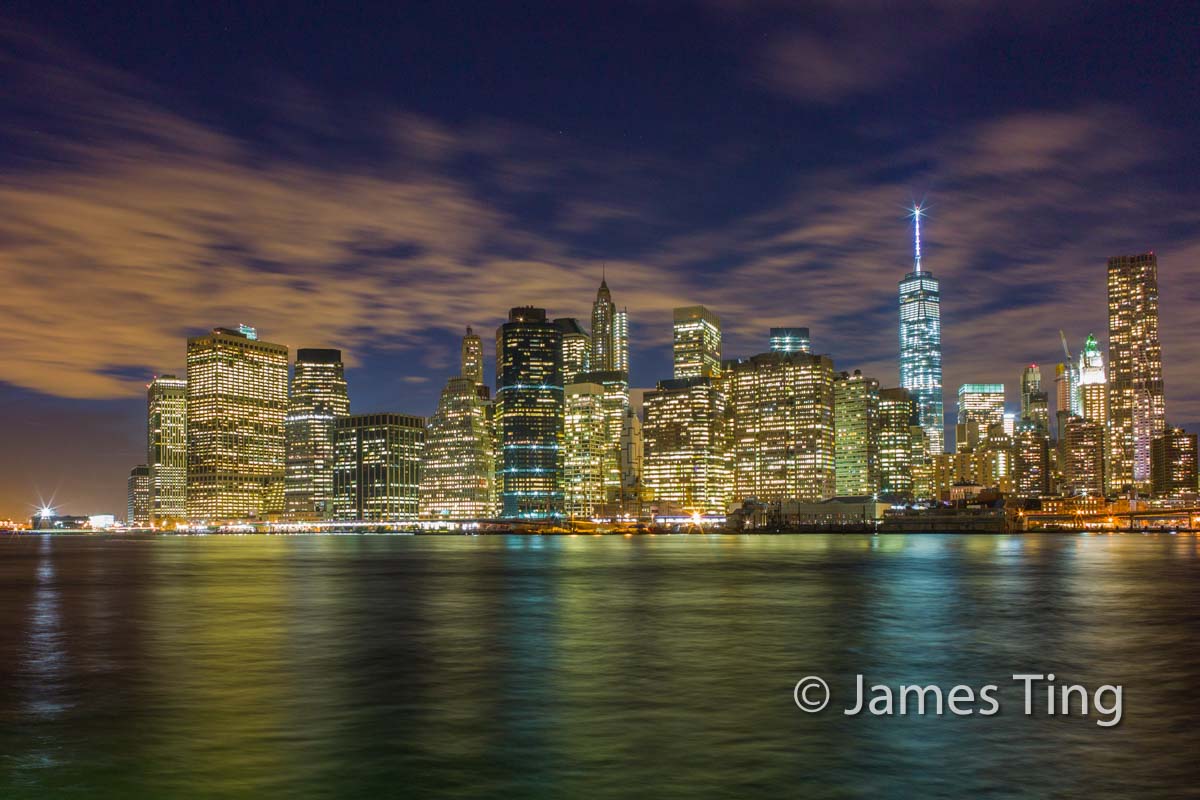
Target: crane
(1066, 350)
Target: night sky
(374, 180)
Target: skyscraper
(529, 414)
(377, 467)
(166, 435)
(856, 438)
(318, 398)
(610, 333)
(921, 344)
(458, 465)
(1031, 459)
(1136, 408)
(1173, 463)
(472, 357)
(1092, 392)
(576, 348)
(896, 458)
(137, 504)
(237, 395)
(790, 340)
(1035, 403)
(686, 462)
(697, 343)
(980, 406)
(614, 404)
(585, 449)
(783, 427)
(1083, 449)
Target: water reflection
(583, 666)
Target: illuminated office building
(166, 435)
(783, 427)
(1136, 408)
(529, 415)
(610, 334)
(1083, 449)
(1173, 463)
(790, 340)
(980, 406)
(697, 343)
(472, 357)
(576, 348)
(318, 398)
(137, 504)
(921, 344)
(856, 435)
(1031, 460)
(458, 463)
(896, 451)
(377, 467)
(1064, 393)
(237, 400)
(614, 406)
(586, 449)
(686, 462)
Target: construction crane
(1066, 350)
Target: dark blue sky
(375, 179)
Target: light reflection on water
(584, 666)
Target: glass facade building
(237, 402)
(529, 415)
(896, 456)
(980, 406)
(137, 503)
(318, 398)
(1173, 463)
(585, 449)
(458, 464)
(697, 350)
(166, 448)
(921, 344)
(377, 467)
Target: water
(558, 667)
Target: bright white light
(46, 511)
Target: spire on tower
(916, 213)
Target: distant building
(586, 449)
(1136, 407)
(610, 335)
(576, 348)
(686, 464)
(137, 509)
(318, 398)
(458, 463)
(697, 343)
(896, 456)
(790, 340)
(856, 435)
(166, 446)
(529, 415)
(1031, 459)
(1083, 447)
(980, 406)
(921, 344)
(377, 467)
(472, 357)
(783, 427)
(237, 400)
(1173, 463)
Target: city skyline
(381, 225)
